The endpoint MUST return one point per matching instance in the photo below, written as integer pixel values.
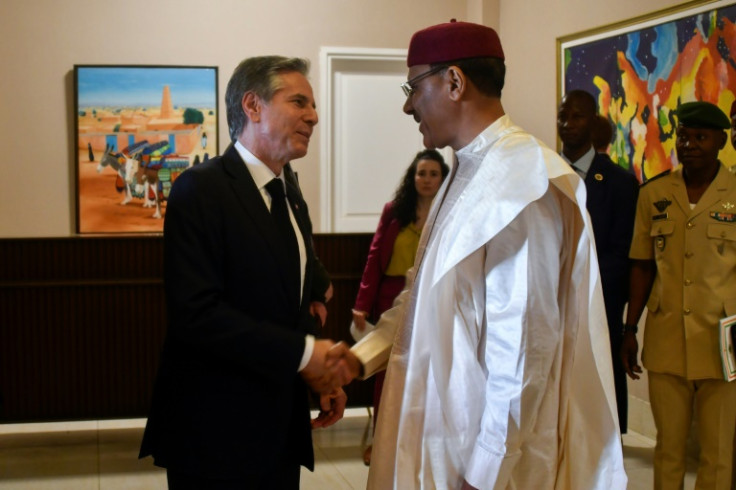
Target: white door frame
(369, 60)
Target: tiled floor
(103, 455)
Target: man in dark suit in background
(231, 403)
(611, 202)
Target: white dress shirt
(582, 164)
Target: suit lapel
(595, 181)
(299, 208)
(679, 192)
(597, 167)
(298, 205)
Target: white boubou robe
(500, 371)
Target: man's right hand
(629, 351)
(344, 364)
(319, 372)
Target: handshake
(331, 367)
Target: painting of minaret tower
(167, 109)
(152, 118)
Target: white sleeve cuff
(486, 466)
(308, 349)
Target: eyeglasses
(408, 86)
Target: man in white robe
(499, 373)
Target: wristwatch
(631, 327)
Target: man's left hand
(318, 310)
(629, 350)
(332, 408)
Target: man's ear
(458, 82)
(251, 104)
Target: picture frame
(136, 128)
(642, 69)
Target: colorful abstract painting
(137, 129)
(640, 72)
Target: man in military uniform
(684, 254)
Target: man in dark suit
(231, 403)
(611, 202)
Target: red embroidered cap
(453, 41)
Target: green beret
(702, 115)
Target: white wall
(41, 40)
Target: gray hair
(259, 75)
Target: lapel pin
(598, 177)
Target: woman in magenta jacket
(394, 246)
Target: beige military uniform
(695, 286)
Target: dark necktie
(280, 215)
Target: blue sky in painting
(143, 86)
(653, 52)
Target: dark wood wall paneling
(82, 322)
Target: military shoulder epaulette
(666, 172)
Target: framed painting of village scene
(641, 70)
(137, 128)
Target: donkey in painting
(152, 171)
(116, 161)
(144, 170)
(143, 174)
(120, 162)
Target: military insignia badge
(727, 206)
(725, 217)
(662, 204)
